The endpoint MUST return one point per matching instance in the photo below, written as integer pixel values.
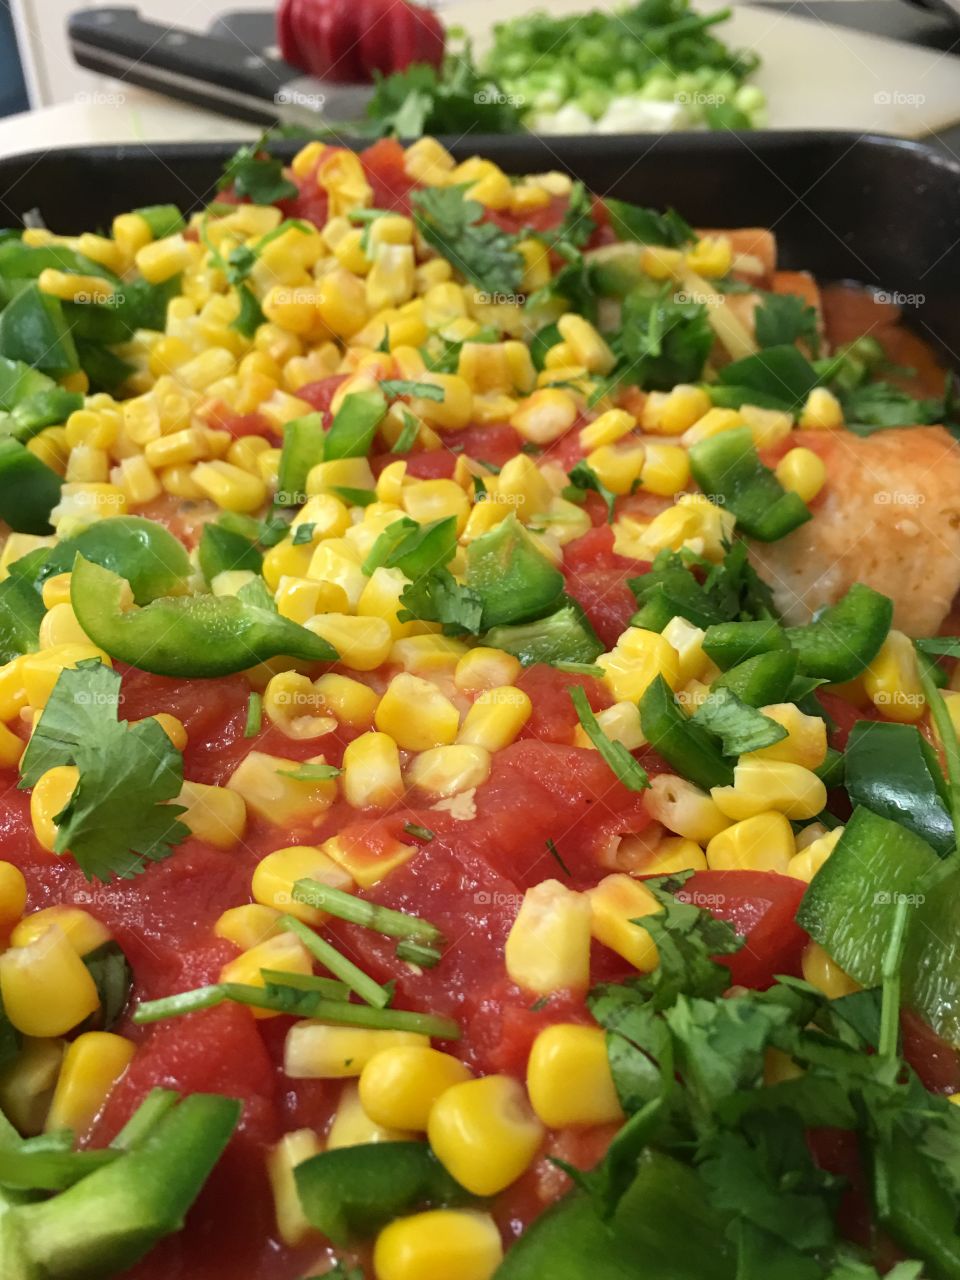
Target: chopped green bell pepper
(186, 635)
(916, 1207)
(303, 446)
(893, 770)
(21, 612)
(728, 469)
(222, 549)
(414, 549)
(25, 262)
(152, 560)
(33, 329)
(354, 425)
(846, 637)
(761, 680)
(29, 489)
(515, 581)
(730, 643)
(350, 1192)
(564, 636)
(162, 219)
(690, 749)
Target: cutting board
(815, 76)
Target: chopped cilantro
(257, 177)
(555, 854)
(740, 727)
(458, 99)
(629, 771)
(631, 222)
(420, 833)
(408, 436)
(254, 716)
(302, 534)
(583, 476)
(438, 597)
(482, 251)
(663, 338)
(118, 818)
(784, 318)
(311, 772)
(407, 387)
(879, 405)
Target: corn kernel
(607, 429)
(545, 415)
(437, 1245)
(666, 469)
(277, 873)
(351, 702)
(371, 772)
(759, 785)
(92, 1065)
(685, 809)
(711, 256)
(548, 947)
(587, 346)
(416, 714)
(713, 423)
(13, 894)
(27, 1084)
(84, 932)
(315, 1051)
(615, 903)
(763, 842)
(428, 500)
(362, 643)
(806, 740)
(45, 986)
(822, 411)
(892, 680)
(822, 972)
(639, 657)
(50, 795)
(485, 668)
(801, 471)
(671, 854)
(484, 1133)
(249, 925)
(449, 770)
(214, 814)
(399, 1086)
(569, 1078)
(162, 259)
(292, 1149)
(352, 1127)
(229, 487)
(495, 718)
(808, 860)
(659, 262)
(264, 783)
(283, 952)
(767, 426)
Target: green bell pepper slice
(846, 637)
(350, 1192)
(515, 581)
(162, 219)
(931, 960)
(29, 489)
(21, 612)
(731, 643)
(152, 560)
(563, 636)
(414, 549)
(355, 425)
(25, 261)
(33, 329)
(728, 469)
(186, 635)
(690, 749)
(760, 680)
(916, 1207)
(893, 770)
(222, 549)
(303, 448)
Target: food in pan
(479, 744)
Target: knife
(223, 75)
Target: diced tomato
(844, 716)
(220, 417)
(508, 1020)
(761, 906)
(383, 164)
(320, 394)
(935, 1062)
(493, 444)
(554, 718)
(596, 576)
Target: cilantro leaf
(740, 727)
(628, 770)
(455, 100)
(682, 583)
(456, 228)
(408, 436)
(663, 339)
(438, 597)
(583, 476)
(783, 318)
(573, 283)
(117, 817)
(577, 225)
(257, 177)
(632, 222)
(879, 405)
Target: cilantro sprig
(455, 226)
(118, 818)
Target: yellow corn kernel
(608, 428)
(264, 783)
(92, 1065)
(822, 972)
(639, 657)
(429, 654)
(713, 423)
(371, 772)
(27, 1084)
(362, 643)
(307, 158)
(293, 308)
(11, 747)
(351, 702)
(86, 426)
(587, 346)
(569, 1078)
(428, 500)
(801, 471)
(548, 947)
(484, 1133)
(189, 445)
(162, 259)
(436, 271)
(51, 447)
(205, 369)
(87, 466)
(73, 287)
(761, 843)
(367, 864)
(659, 262)
(84, 932)
(167, 355)
(759, 785)
(179, 482)
(131, 232)
(438, 1244)
(137, 480)
(294, 706)
(352, 1127)
(249, 925)
(687, 640)
(390, 280)
(45, 986)
(521, 485)
(495, 718)
(621, 723)
(545, 415)
(450, 413)
(416, 714)
(214, 814)
(229, 487)
(666, 469)
(428, 161)
(286, 560)
(315, 1051)
(674, 413)
(806, 740)
(60, 627)
(349, 473)
(13, 693)
(292, 1149)
(284, 952)
(484, 668)
(277, 873)
(767, 426)
(49, 797)
(101, 249)
(671, 854)
(399, 1086)
(808, 860)
(711, 256)
(450, 770)
(822, 411)
(17, 545)
(685, 809)
(13, 894)
(341, 175)
(618, 467)
(892, 680)
(614, 904)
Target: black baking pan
(881, 211)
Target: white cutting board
(815, 76)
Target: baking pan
(881, 211)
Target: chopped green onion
(365, 986)
(579, 669)
(311, 772)
(346, 906)
(408, 436)
(418, 953)
(183, 1002)
(150, 1111)
(888, 1043)
(405, 387)
(254, 716)
(629, 771)
(328, 987)
(555, 853)
(421, 833)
